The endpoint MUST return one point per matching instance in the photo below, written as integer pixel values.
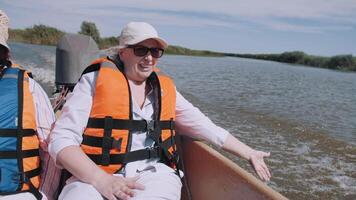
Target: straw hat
(4, 26)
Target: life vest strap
(116, 144)
(91, 68)
(168, 143)
(112, 143)
(26, 176)
(142, 154)
(132, 156)
(26, 179)
(14, 154)
(15, 132)
(131, 125)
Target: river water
(306, 117)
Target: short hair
(4, 53)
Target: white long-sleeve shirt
(44, 112)
(69, 128)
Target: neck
(137, 83)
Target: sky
(317, 27)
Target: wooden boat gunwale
(210, 175)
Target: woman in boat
(26, 117)
(116, 131)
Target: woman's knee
(79, 190)
(159, 186)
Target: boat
(208, 175)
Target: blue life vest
(19, 145)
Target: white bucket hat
(136, 32)
(4, 26)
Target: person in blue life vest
(116, 132)
(26, 117)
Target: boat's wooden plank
(211, 176)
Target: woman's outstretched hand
(259, 165)
(256, 158)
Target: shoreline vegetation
(46, 35)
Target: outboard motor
(74, 53)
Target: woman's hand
(255, 157)
(117, 187)
(112, 187)
(259, 165)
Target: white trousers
(158, 186)
(21, 196)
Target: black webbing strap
(116, 144)
(14, 132)
(168, 143)
(33, 173)
(131, 125)
(155, 135)
(98, 142)
(128, 157)
(27, 179)
(132, 156)
(30, 74)
(8, 154)
(91, 68)
(106, 141)
(24, 153)
(30, 153)
(35, 191)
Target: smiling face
(139, 68)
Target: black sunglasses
(141, 51)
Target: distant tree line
(46, 35)
(339, 62)
(38, 34)
(177, 50)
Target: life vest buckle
(116, 144)
(150, 125)
(153, 152)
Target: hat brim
(160, 41)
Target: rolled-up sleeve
(190, 121)
(44, 112)
(68, 129)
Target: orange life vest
(107, 137)
(19, 144)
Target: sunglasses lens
(156, 52)
(140, 51)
